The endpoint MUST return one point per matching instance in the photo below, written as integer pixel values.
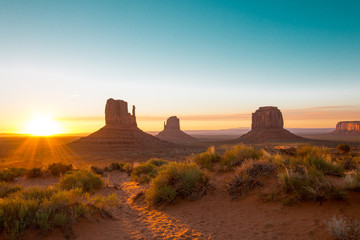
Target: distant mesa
(121, 129)
(347, 128)
(172, 132)
(268, 126)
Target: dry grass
(342, 228)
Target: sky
(211, 63)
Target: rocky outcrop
(267, 117)
(347, 128)
(121, 130)
(117, 115)
(172, 132)
(268, 126)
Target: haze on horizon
(211, 63)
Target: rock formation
(347, 128)
(172, 132)
(117, 115)
(121, 130)
(268, 126)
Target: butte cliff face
(348, 128)
(117, 115)
(172, 132)
(121, 130)
(268, 126)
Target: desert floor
(214, 216)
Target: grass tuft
(238, 154)
(58, 169)
(177, 180)
(342, 228)
(207, 159)
(83, 179)
(146, 171)
(247, 177)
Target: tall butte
(121, 129)
(268, 126)
(172, 132)
(347, 128)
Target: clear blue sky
(185, 58)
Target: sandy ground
(214, 216)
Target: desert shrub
(9, 174)
(207, 159)
(353, 181)
(343, 148)
(6, 189)
(309, 185)
(97, 170)
(350, 163)
(238, 154)
(34, 172)
(342, 228)
(177, 180)
(57, 169)
(309, 158)
(247, 177)
(85, 180)
(305, 150)
(146, 171)
(157, 162)
(325, 165)
(122, 167)
(46, 209)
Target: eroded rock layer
(347, 128)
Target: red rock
(347, 128)
(121, 130)
(172, 132)
(267, 126)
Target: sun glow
(42, 125)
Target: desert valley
(179, 119)
(268, 183)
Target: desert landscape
(276, 186)
(221, 120)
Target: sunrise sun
(42, 125)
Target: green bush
(177, 180)
(85, 180)
(238, 154)
(58, 169)
(207, 159)
(9, 174)
(97, 170)
(47, 208)
(343, 148)
(309, 186)
(311, 158)
(146, 171)
(122, 167)
(247, 177)
(6, 189)
(34, 172)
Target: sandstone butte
(347, 128)
(172, 132)
(121, 130)
(268, 126)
